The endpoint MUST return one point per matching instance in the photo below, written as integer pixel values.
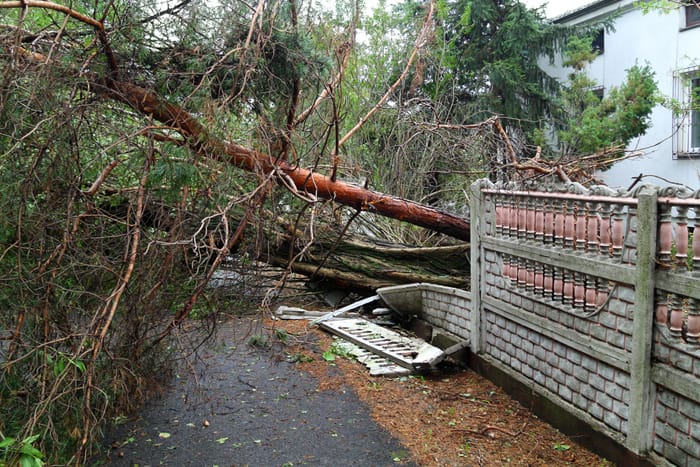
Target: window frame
(687, 14)
(686, 123)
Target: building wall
(657, 39)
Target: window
(599, 92)
(694, 132)
(692, 16)
(598, 44)
(687, 120)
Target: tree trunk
(304, 180)
(364, 265)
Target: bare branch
(169, 11)
(420, 43)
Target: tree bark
(304, 180)
(336, 259)
(363, 265)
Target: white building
(669, 42)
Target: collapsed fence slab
(408, 352)
(345, 309)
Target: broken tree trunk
(330, 258)
(304, 180)
(364, 265)
(198, 138)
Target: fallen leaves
(449, 419)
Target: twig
(489, 428)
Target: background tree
(593, 123)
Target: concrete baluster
(539, 220)
(602, 292)
(681, 234)
(661, 316)
(568, 294)
(590, 294)
(505, 269)
(581, 225)
(579, 290)
(513, 217)
(693, 323)
(618, 231)
(592, 239)
(539, 279)
(676, 318)
(665, 234)
(548, 222)
(522, 273)
(522, 218)
(514, 269)
(559, 217)
(569, 227)
(499, 215)
(530, 277)
(605, 230)
(696, 241)
(508, 216)
(530, 219)
(548, 281)
(558, 284)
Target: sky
(554, 7)
(557, 7)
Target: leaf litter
(452, 418)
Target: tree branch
(420, 42)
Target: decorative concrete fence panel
(445, 308)
(570, 287)
(676, 347)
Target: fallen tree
(355, 263)
(305, 182)
(330, 257)
(101, 278)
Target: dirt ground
(452, 418)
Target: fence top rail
(568, 196)
(695, 202)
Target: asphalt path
(242, 405)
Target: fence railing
(592, 296)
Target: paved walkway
(252, 408)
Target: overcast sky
(554, 7)
(557, 7)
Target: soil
(264, 395)
(452, 418)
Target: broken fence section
(409, 352)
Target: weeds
(21, 452)
(259, 341)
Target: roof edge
(584, 10)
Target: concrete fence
(445, 308)
(591, 298)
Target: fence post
(639, 436)
(477, 337)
